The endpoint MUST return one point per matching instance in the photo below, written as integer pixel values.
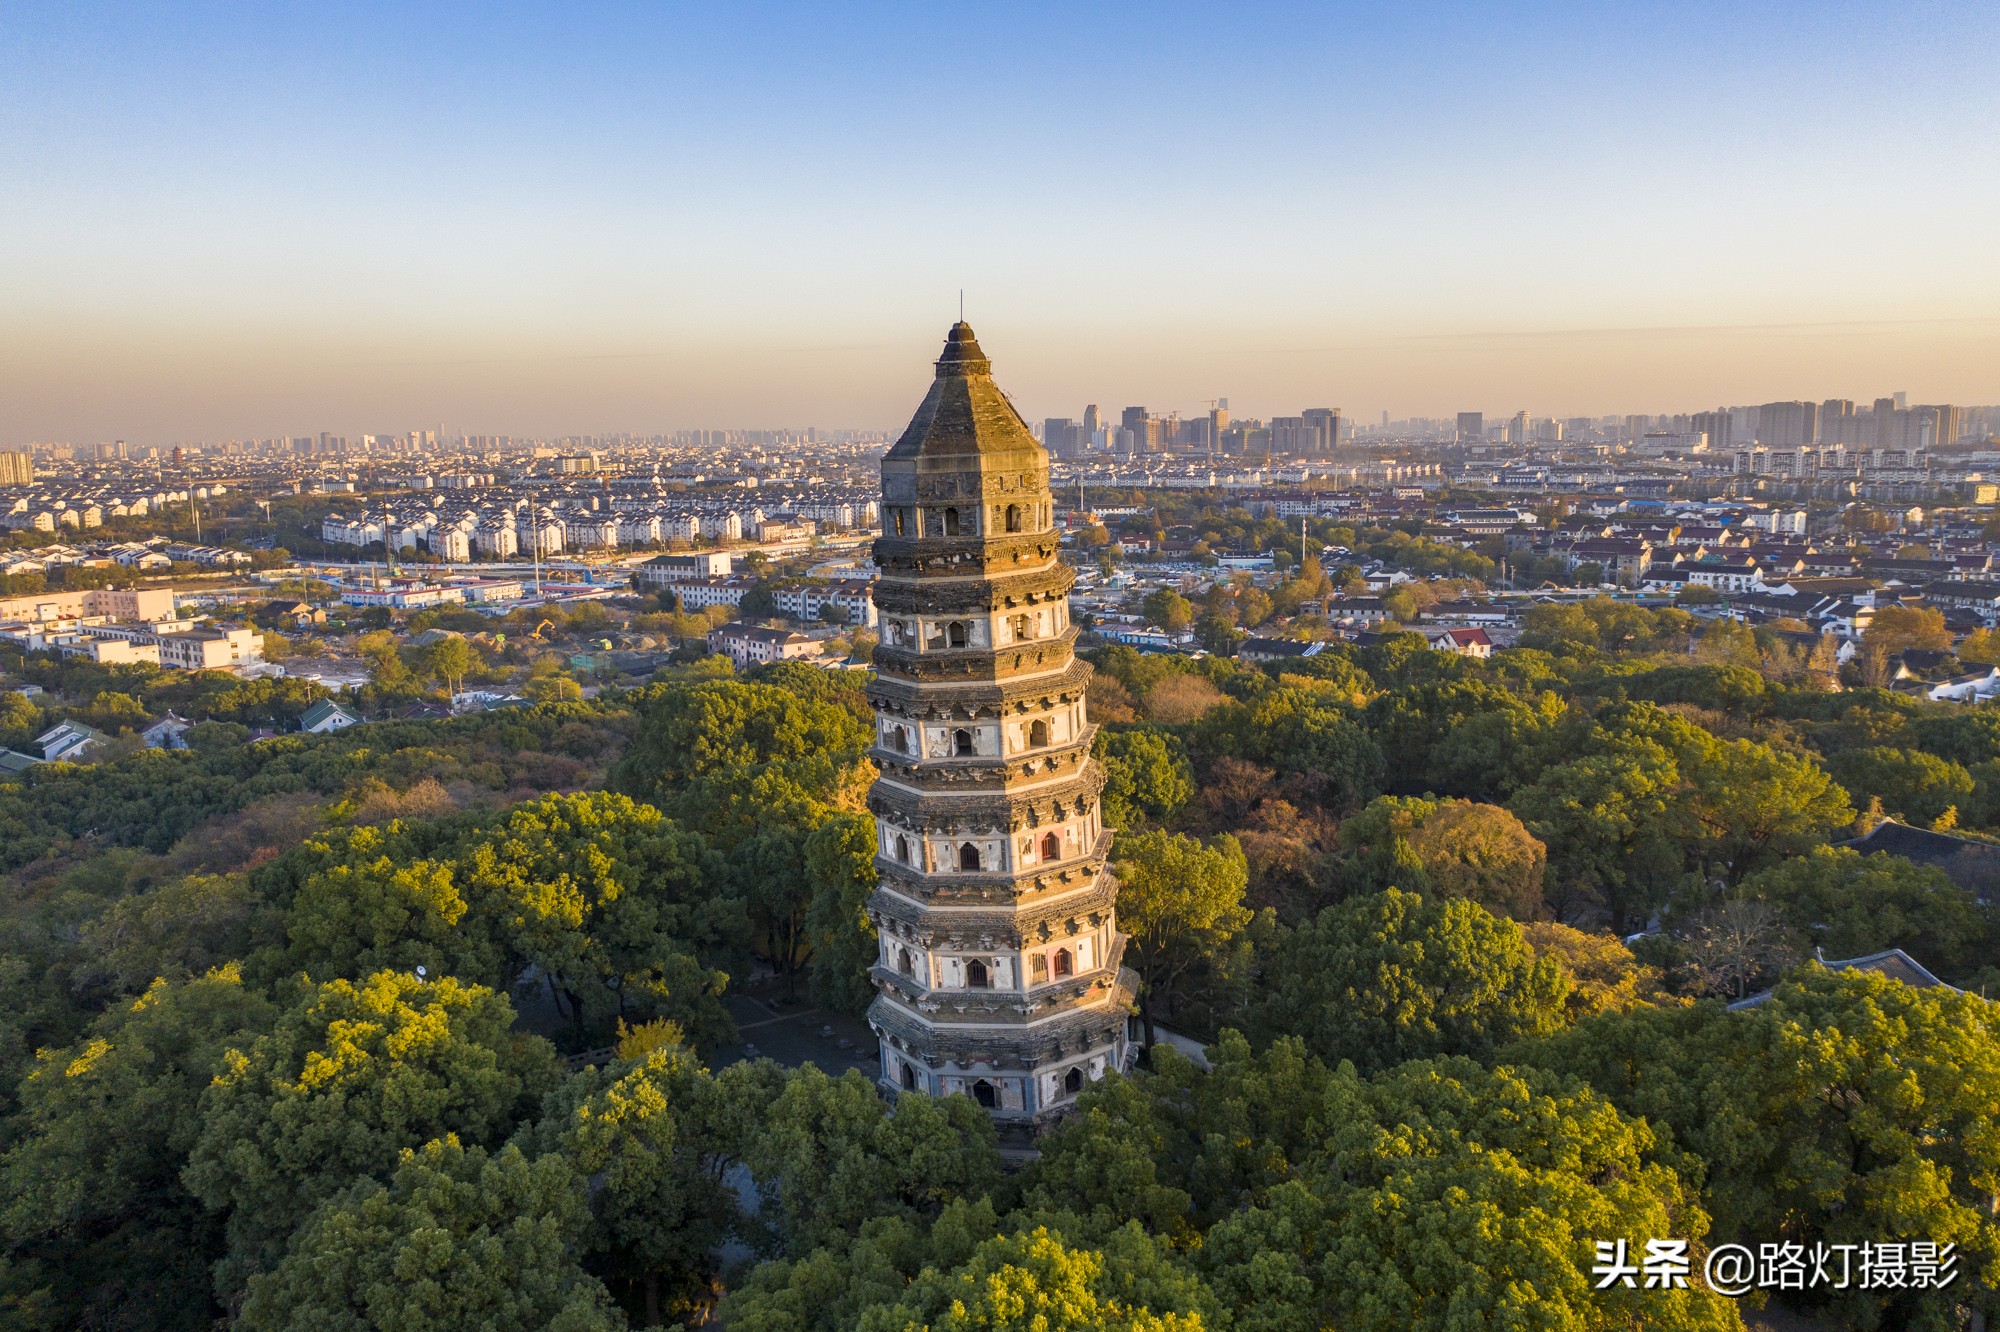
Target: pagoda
(998, 971)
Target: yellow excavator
(537, 635)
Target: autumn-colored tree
(1898, 629)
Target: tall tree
(1182, 904)
(103, 1232)
(840, 867)
(827, 1155)
(454, 1238)
(448, 660)
(654, 1137)
(1396, 976)
(1147, 775)
(351, 1075)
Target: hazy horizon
(546, 221)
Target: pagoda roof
(965, 412)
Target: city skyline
(549, 222)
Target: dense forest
(264, 1053)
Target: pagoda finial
(962, 355)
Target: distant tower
(998, 969)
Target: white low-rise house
(107, 650)
(749, 645)
(808, 601)
(169, 732)
(1972, 687)
(698, 593)
(403, 596)
(68, 741)
(1460, 642)
(665, 570)
(210, 649)
(326, 717)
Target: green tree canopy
(455, 1238)
(1847, 1107)
(1394, 976)
(1847, 904)
(105, 1234)
(352, 1075)
(1182, 904)
(1438, 1195)
(1036, 1282)
(654, 1137)
(726, 758)
(1918, 786)
(827, 1154)
(1168, 609)
(1147, 775)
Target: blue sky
(226, 220)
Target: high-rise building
(998, 967)
(1471, 427)
(1145, 429)
(1325, 423)
(17, 469)
(1717, 425)
(1092, 424)
(1888, 430)
(1931, 425)
(1517, 429)
(1787, 425)
(1062, 437)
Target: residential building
(753, 645)
(326, 717)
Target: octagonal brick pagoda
(998, 973)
